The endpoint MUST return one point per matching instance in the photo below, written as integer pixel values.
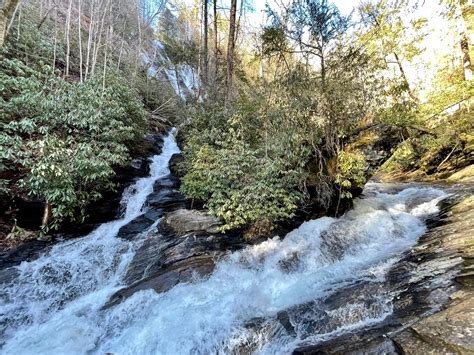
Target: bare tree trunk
(99, 38)
(55, 39)
(47, 214)
(230, 53)
(323, 72)
(216, 47)
(68, 40)
(139, 22)
(7, 9)
(464, 40)
(121, 46)
(107, 37)
(79, 25)
(241, 12)
(205, 58)
(90, 36)
(45, 16)
(404, 77)
(466, 58)
(12, 19)
(19, 22)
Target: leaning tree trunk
(7, 9)
(404, 77)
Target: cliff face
(178, 70)
(182, 78)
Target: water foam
(215, 315)
(79, 268)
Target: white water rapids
(54, 305)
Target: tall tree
(7, 9)
(216, 45)
(230, 52)
(314, 25)
(389, 36)
(79, 39)
(205, 45)
(458, 9)
(68, 39)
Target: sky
(436, 42)
(345, 6)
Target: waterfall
(79, 272)
(266, 299)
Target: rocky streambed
(162, 279)
(432, 286)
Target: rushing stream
(55, 303)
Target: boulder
(184, 221)
(184, 271)
(26, 251)
(139, 224)
(168, 182)
(140, 165)
(153, 143)
(164, 260)
(168, 199)
(175, 165)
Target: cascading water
(55, 305)
(78, 273)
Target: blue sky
(345, 6)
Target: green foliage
(240, 186)
(259, 159)
(403, 159)
(448, 88)
(388, 34)
(350, 172)
(451, 138)
(400, 110)
(243, 165)
(274, 40)
(65, 138)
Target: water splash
(239, 307)
(79, 267)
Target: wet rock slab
(183, 221)
(429, 297)
(452, 329)
(140, 224)
(168, 181)
(449, 331)
(27, 251)
(175, 164)
(169, 199)
(165, 259)
(433, 297)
